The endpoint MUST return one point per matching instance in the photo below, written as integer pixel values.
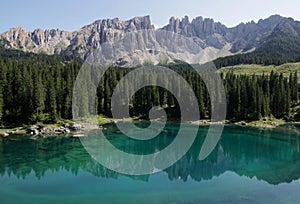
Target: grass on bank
(250, 69)
(267, 122)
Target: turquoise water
(248, 165)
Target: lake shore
(60, 128)
(66, 128)
(274, 123)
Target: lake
(249, 165)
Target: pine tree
(295, 88)
(1, 104)
(38, 94)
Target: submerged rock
(43, 148)
(78, 136)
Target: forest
(38, 88)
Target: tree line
(248, 97)
(36, 90)
(41, 91)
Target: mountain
(281, 46)
(212, 36)
(78, 42)
(241, 38)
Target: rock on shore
(65, 129)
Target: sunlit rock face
(214, 37)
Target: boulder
(46, 131)
(4, 134)
(33, 130)
(60, 130)
(75, 127)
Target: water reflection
(269, 155)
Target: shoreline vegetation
(38, 90)
(70, 127)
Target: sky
(71, 15)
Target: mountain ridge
(206, 32)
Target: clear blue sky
(73, 14)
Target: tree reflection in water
(269, 155)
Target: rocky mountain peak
(143, 22)
(211, 35)
(38, 36)
(136, 23)
(89, 37)
(288, 25)
(15, 34)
